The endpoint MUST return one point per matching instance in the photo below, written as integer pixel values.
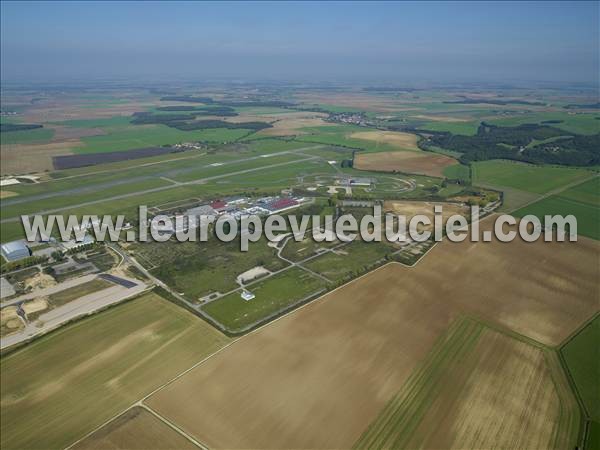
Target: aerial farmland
(147, 303)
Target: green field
(479, 388)
(593, 437)
(525, 177)
(35, 136)
(523, 183)
(272, 295)
(458, 172)
(68, 295)
(197, 269)
(350, 260)
(62, 386)
(582, 201)
(61, 201)
(139, 136)
(582, 355)
(465, 128)
(574, 123)
(104, 123)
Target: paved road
(50, 290)
(83, 306)
(178, 184)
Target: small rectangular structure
(281, 204)
(15, 250)
(73, 244)
(117, 280)
(202, 210)
(247, 295)
(9, 182)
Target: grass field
(583, 201)
(349, 260)
(61, 386)
(523, 183)
(139, 136)
(464, 128)
(582, 355)
(136, 429)
(574, 123)
(73, 198)
(458, 172)
(37, 135)
(272, 295)
(480, 388)
(62, 297)
(197, 269)
(525, 177)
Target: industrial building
(15, 250)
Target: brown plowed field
(421, 163)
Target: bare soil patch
(30, 158)
(7, 194)
(421, 163)
(9, 321)
(37, 305)
(40, 280)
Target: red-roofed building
(219, 205)
(281, 204)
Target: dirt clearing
(421, 163)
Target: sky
(296, 41)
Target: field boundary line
(139, 402)
(235, 340)
(554, 192)
(173, 426)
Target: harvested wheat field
(406, 141)
(421, 163)
(487, 380)
(29, 158)
(314, 379)
(320, 376)
(135, 429)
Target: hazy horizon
(432, 41)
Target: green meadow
(139, 136)
(37, 136)
(273, 295)
(581, 123)
(582, 201)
